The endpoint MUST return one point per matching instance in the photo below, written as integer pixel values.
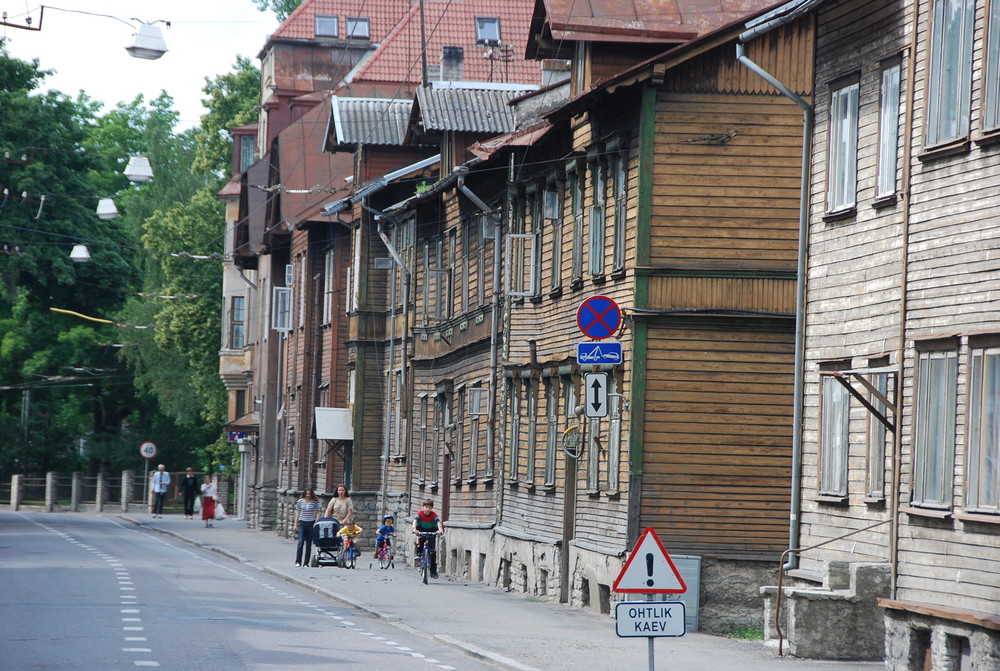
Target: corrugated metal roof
(368, 121)
(472, 109)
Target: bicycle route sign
(598, 317)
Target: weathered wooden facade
(899, 450)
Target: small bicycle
(348, 553)
(384, 554)
(425, 554)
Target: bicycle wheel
(352, 558)
(425, 564)
(384, 558)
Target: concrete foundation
(929, 643)
(839, 619)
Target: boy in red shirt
(428, 521)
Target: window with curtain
(983, 478)
(888, 131)
(934, 429)
(842, 148)
(949, 71)
(834, 437)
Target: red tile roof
(453, 23)
(383, 15)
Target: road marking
(137, 650)
(129, 610)
(147, 663)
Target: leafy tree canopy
(281, 8)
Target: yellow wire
(77, 314)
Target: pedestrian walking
(189, 490)
(208, 494)
(159, 484)
(340, 506)
(306, 510)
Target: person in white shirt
(161, 479)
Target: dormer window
(326, 26)
(358, 28)
(487, 30)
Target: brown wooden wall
(717, 438)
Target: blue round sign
(599, 317)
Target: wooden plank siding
(736, 202)
(717, 437)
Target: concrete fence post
(51, 478)
(15, 492)
(76, 490)
(127, 477)
(102, 492)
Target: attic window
(487, 30)
(326, 26)
(358, 28)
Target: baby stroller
(326, 541)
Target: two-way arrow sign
(596, 389)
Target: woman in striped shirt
(306, 510)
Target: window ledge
(957, 147)
(874, 500)
(618, 274)
(927, 512)
(987, 138)
(884, 202)
(613, 494)
(547, 489)
(827, 498)
(556, 292)
(985, 518)
(593, 493)
(840, 215)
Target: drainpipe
(800, 292)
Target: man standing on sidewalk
(161, 479)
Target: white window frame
(991, 82)
(598, 218)
(488, 30)
(322, 23)
(878, 439)
(237, 322)
(842, 147)
(835, 418)
(949, 71)
(552, 221)
(577, 192)
(934, 428)
(552, 429)
(888, 132)
(983, 470)
(520, 278)
(281, 309)
(619, 167)
(358, 28)
(329, 285)
(514, 436)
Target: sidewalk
(510, 630)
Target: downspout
(897, 440)
(800, 292)
(494, 320)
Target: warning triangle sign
(649, 569)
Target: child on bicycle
(385, 532)
(427, 520)
(350, 530)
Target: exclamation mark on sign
(649, 569)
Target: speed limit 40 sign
(147, 450)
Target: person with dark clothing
(189, 489)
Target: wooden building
(898, 497)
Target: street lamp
(148, 44)
(80, 253)
(138, 169)
(106, 209)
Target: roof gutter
(779, 17)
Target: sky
(88, 52)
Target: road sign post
(147, 450)
(649, 570)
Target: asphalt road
(95, 592)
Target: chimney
(452, 59)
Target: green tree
(281, 8)
(232, 101)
